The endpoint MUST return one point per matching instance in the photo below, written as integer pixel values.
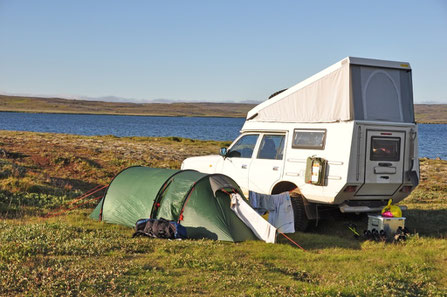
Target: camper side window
(244, 147)
(272, 147)
(309, 138)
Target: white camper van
(344, 137)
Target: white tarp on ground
(354, 88)
(260, 227)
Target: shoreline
(123, 114)
(177, 139)
(160, 115)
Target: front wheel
(299, 212)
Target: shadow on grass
(42, 202)
(333, 231)
(75, 184)
(11, 155)
(19, 212)
(200, 233)
(314, 241)
(427, 222)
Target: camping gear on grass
(160, 228)
(353, 229)
(391, 211)
(401, 234)
(198, 201)
(388, 225)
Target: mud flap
(413, 176)
(311, 209)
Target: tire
(301, 220)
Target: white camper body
(357, 116)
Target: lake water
(432, 138)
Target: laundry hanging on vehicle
(279, 207)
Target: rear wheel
(299, 212)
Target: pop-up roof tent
(199, 201)
(352, 89)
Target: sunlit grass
(71, 254)
(75, 254)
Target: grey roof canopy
(352, 89)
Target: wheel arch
(284, 186)
(309, 208)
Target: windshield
(244, 147)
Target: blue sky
(211, 50)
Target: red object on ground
(387, 214)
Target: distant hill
(59, 105)
(425, 113)
(431, 113)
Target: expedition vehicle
(345, 137)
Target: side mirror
(223, 151)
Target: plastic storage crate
(389, 225)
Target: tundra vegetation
(425, 113)
(71, 254)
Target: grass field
(424, 113)
(73, 255)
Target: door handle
(275, 168)
(244, 166)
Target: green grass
(76, 256)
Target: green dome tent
(197, 200)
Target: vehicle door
(238, 159)
(267, 166)
(384, 162)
